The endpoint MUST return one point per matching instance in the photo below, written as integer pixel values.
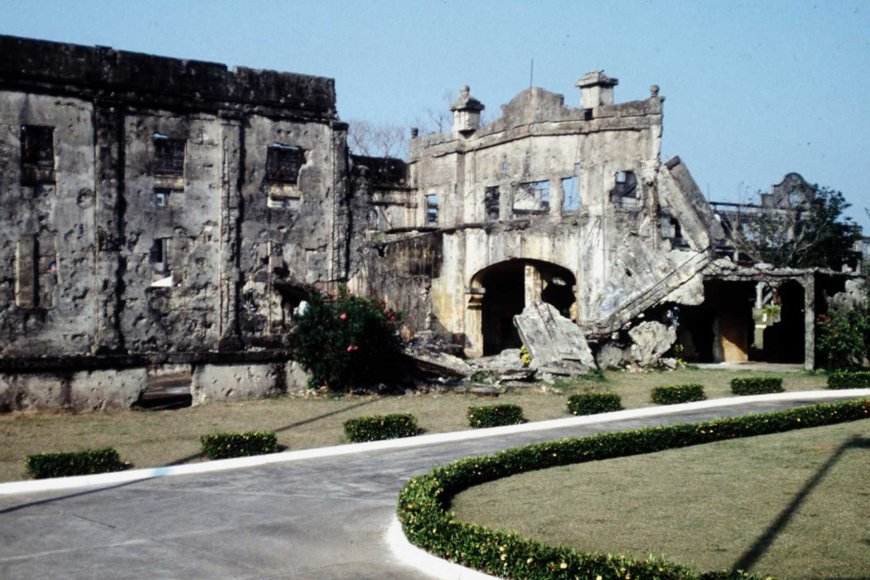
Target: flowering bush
(843, 338)
(346, 342)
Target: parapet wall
(128, 76)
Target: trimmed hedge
(674, 394)
(593, 403)
(495, 415)
(424, 501)
(378, 427)
(849, 380)
(45, 465)
(756, 385)
(227, 445)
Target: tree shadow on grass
(760, 546)
(194, 456)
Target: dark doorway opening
(507, 285)
(740, 321)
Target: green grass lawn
(154, 438)
(792, 505)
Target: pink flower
(343, 316)
(352, 348)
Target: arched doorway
(505, 289)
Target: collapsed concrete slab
(651, 340)
(556, 344)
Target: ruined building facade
(164, 217)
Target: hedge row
(424, 501)
(756, 385)
(45, 465)
(674, 394)
(849, 380)
(378, 427)
(593, 403)
(226, 445)
(495, 415)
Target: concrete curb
(411, 555)
(105, 479)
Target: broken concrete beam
(440, 364)
(554, 341)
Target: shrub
(424, 501)
(380, 427)
(346, 342)
(843, 338)
(45, 465)
(226, 445)
(849, 380)
(673, 394)
(756, 385)
(592, 403)
(495, 415)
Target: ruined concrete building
(162, 218)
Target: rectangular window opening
(159, 259)
(283, 163)
(625, 193)
(570, 194)
(37, 154)
(432, 209)
(161, 197)
(168, 156)
(492, 202)
(532, 198)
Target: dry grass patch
(708, 506)
(156, 438)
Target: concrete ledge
(103, 479)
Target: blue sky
(754, 89)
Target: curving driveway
(306, 516)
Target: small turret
(466, 112)
(596, 89)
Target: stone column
(232, 144)
(108, 218)
(809, 284)
(534, 284)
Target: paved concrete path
(322, 517)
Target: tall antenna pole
(531, 80)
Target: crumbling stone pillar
(534, 284)
(809, 284)
(109, 188)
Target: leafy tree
(812, 235)
(346, 342)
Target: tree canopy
(815, 234)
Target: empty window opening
(570, 194)
(37, 154)
(159, 259)
(168, 156)
(284, 202)
(532, 198)
(283, 163)
(491, 202)
(432, 209)
(625, 193)
(161, 197)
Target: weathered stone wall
(611, 242)
(156, 209)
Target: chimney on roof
(596, 89)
